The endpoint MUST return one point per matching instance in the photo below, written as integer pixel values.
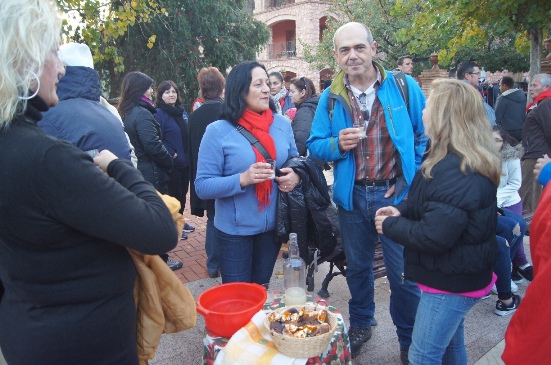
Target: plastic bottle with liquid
(294, 275)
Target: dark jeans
(178, 185)
(509, 237)
(359, 238)
(249, 259)
(211, 244)
(520, 256)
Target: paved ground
(484, 330)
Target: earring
(37, 89)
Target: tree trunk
(536, 39)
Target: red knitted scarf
(540, 97)
(259, 126)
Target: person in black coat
(511, 108)
(136, 110)
(172, 119)
(212, 83)
(303, 95)
(448, 223)
(154, 161)
(66, 224)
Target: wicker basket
(302, 347)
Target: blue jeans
(509, 237)
(438, 333)
(211, 244)
(359, 238)
(249, 259)
(519, 257)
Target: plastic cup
(273, 167)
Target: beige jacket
(164, 304)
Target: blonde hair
(458, 124)
(29, 31)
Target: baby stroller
(308, 211)
(325, 245)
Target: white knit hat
(76, 54)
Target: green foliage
(494, 33)
(102, 24)
(496, 55)
(192, 35)
(479, 27)
(379, 16)
(166, 39)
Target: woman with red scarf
(236, 174)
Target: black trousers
(178, 185)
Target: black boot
(357, 338)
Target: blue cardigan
(223, 155)
(406, 131)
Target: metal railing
(282, 49)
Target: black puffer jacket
(448, 227)
(297, 209)
(154, 161)
(510, 112)
(302, 123)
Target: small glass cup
(272, 166)
(361, 133)
(92, 153)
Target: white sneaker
(514, 288)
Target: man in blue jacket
(79, 117)
(376, 142)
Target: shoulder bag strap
(254, 141)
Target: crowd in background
(402, 168)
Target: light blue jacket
(406, 131)
(224, 154)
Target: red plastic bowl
(228, 307)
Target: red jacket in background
(527, 340)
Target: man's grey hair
(545, 79)
(368, 31)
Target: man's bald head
(351, 26)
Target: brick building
(292, 23)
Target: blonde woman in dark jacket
(447, 225)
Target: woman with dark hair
(211, 82)
(174, 133)
(279, 93)
(136, 110)
(154, 161)
(239, 178)
(303, 95)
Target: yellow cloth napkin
(253, 345)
